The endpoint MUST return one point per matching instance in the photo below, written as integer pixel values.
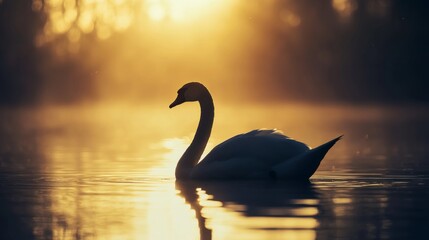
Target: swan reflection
(252, 210)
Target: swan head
(190, 92)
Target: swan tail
(302, 166)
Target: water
(107, 173)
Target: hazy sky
(326, 51)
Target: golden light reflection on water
(227, 219)
(168, 217)
(109, 209)
(109, 174)
(174, 148)
(120, 184)
(113, 169)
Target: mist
(67, 52)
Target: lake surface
(107, 173)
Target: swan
(258, 154)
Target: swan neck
(193, 154)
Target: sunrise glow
(181, 10)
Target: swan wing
(260, 143)
(247, 155)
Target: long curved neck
(193, 154)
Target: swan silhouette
(258, 154)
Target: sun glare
(179, 10)
(173, 149)
(168, 217)
(156, 12)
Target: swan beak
(179, 100)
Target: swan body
(258, 154)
